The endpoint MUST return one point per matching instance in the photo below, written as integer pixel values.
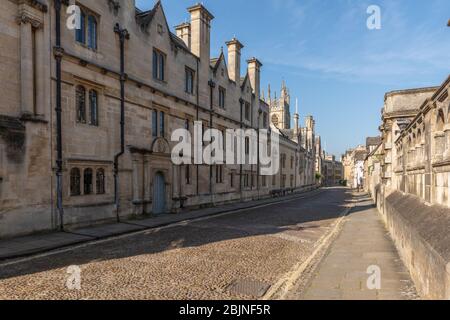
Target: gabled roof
(215, 62)
(178, 42)
(145, 18)
(360, 155)
(244, 80)
(373, 141)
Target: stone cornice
(29, 15)
(36, 4)
(409, 91)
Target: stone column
(40, 88)
(135, 181)
(28, 20)
(26, 67)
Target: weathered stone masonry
(412, 186)
(158, 99)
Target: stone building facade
(353, 164)
(409, 180)
(97, 107)
(332, 170)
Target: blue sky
(331, 61)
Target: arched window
(92, 32)
(75, 178)
(100, 181)
(81, 104)
(88, 186)
(93, 104)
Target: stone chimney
(296, 120)
(200, 46)
(234, 60)
(184, 33)
(201, 32)
(254, 73)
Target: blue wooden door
(159, 194)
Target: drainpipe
(258, 187)
(198, 115)
(123, 35)
(241, 102)
(58, 53)
(212, 85)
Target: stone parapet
(421, 235)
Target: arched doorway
(159, 194)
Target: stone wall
(409, 181)
(421, 234)
(28, 118)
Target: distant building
(353, 163)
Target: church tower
(280, 108)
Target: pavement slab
(363, 243)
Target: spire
(263, 96)
(296, 106)
(269, 94)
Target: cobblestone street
(234, 256)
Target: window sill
(86, 47)
(161, 82)
(87, 124)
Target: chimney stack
(296, 120)
(234, 60)
(200, 32)
(200, 46)
(184, 33)
(254, 73)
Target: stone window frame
(75, 182)
(187, 175)
(264, 181)
(86, 118)
(247, 111)
(222, 97)
(88, 181)
(159, 65)
(98, 188)
(100, 181)
(80, 103)
(219, 174)
(161, 121)
(189, 86)
(88, 16)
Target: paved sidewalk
(362, 243)
(24, 246)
